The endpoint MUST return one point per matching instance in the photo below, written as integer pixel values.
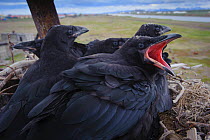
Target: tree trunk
(44, 15)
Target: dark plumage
(109, 45)
(106, 96)
(35, 47)
(55, 56)
(152, 30)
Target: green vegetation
(17, 57)
(193, 48)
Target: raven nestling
(109, 45)
(152, 30)
(105, 96)
(55, 56)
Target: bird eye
(157, 29)
(70, 32)
(115, 43)
(141, 46)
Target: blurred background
(114, 18)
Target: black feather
(55, 56)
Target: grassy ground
(193, 48)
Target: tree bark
(44, 15)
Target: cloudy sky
(102, 6)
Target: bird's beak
(80, 30)
(29, 45)
(154, 52)
(24, 46)
(165, 29)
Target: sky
(20, 7)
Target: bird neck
(55, 47)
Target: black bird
(35, 47)
(55, 56)
(152, 30)
(109, 45)
(153, 129)
(106, 96)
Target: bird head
(141, 50)
(109, 45)
(65, 33)
(152, 30)
(31, 46)
(61, 38)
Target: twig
(163, 125)
(178, 78)
(173, 90)
(180, 93)
(166, 132)
(6, 94)
(183, 66)
(198, 124)
(194, 67)
(16, 72)
(19, 64)
(178, 65)
(6, 80)
(1, 92)
(8, 67)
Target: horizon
(20, 7)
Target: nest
(191, 109)
(190, 114)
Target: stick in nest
(199, 125)
(19, 64)
(6, 80)
(180, 93)
(10, 76)
(2, 92)
(168, 134)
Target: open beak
(80, 30)
(154, 53)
